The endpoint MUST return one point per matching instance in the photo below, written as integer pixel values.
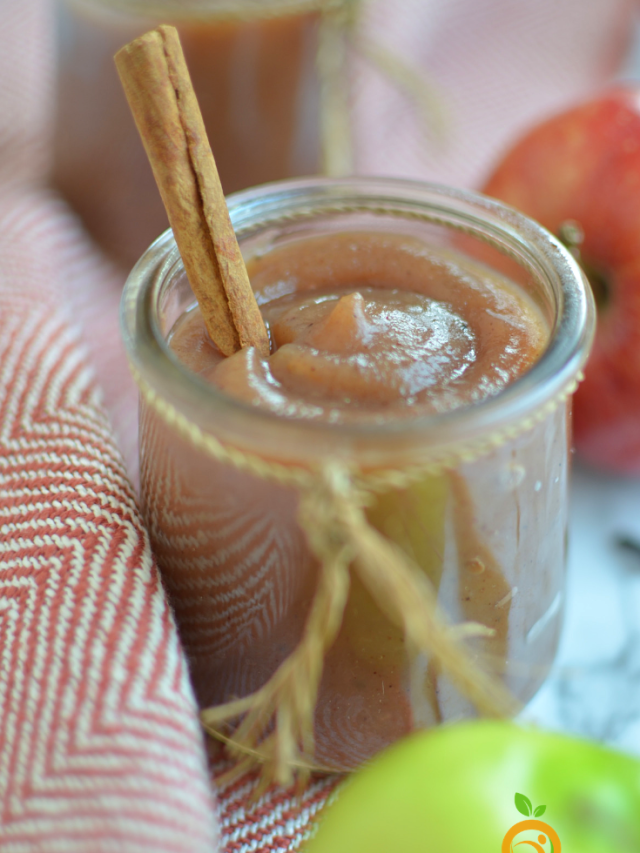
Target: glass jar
(484, 516)
(253, 66)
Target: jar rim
(197, 10)
(549, 381)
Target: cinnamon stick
(156, 82)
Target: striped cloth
(277, 822)
(100, 749)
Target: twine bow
(277, 728)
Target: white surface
(594, 689)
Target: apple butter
(374, 328)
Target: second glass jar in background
(253, 66)
(488, 528)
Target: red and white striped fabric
(277, 822)
(99, 743)
(100, 748)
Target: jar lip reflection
(282, 203)
(203, 10)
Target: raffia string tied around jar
(272, 728)
(277, 728)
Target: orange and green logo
(533, 834)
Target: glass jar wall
(483, 513)
(253, 66)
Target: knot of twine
(276, 729)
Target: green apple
(413, 518)
(486, 787)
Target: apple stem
(571, 235)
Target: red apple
(582, 167)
